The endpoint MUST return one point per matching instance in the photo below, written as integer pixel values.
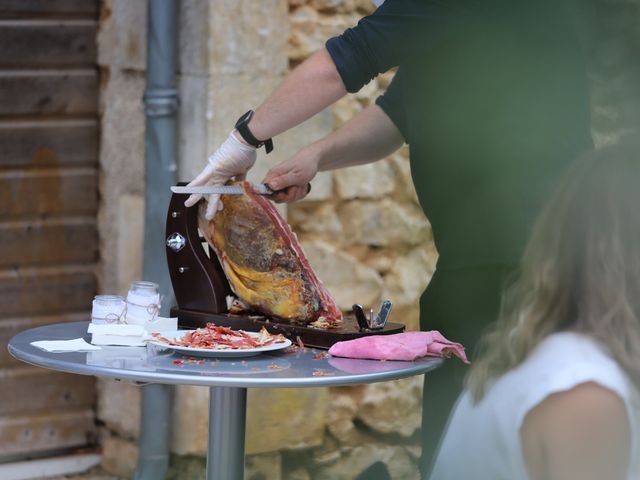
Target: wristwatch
(242, 125)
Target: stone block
(345, 109)
(121, 163)
(190, 428)
(405, 189)
(122, 128)
(265, 466)
(187, 468)
(254, 43)
(310, 31)
(365, 6)
(130, 240)
(119, 406)
(353, 461)
(193, 37)
(256, 467)
(333, 6)
(276, 419)
(348, 280)
(285, 418)
(122, 38)
(322, 188)
(193, 145)
(382, 224)
(332, 25)
(341, 410)
(303, 39)
(298, 474)
(408, 315)
(373, 180)
(303, 19)
(384, 79)
(381, 260)
(119, 456)
(368, 93)
(392, 407)
(410, 275)
(320, 219)
(230, 95)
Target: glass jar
(108, 309)
(143, 302)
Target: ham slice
(264, 262)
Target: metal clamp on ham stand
(201, 288)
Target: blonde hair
(580, 270)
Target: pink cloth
(400, 346)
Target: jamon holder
(201, 288)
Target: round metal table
(227, 379)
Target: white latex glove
(233, 159)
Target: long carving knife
(260, 188)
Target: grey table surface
(304, 368)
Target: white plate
(212, 352)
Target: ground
(96, 473)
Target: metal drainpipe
(161, 105)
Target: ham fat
(264, 262)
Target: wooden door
(48, 207)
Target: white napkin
(117, 334)
(161, 324)
(129, 335)
(116, 329)
(57, 346)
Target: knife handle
(284, 190)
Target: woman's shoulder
(571, 351)
(588, 422)
(561, 362)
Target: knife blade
(260, 188)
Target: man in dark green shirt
(491, 96)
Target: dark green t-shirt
(492, 98)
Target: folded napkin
(161, 324)
(400, 346)
(117, 334)
(57, 346)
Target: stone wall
(369, 241)
(122, 62)
(362, 227)
(223, 72)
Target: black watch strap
(242, 125)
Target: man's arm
(308, 89)
(581, 433)
(367, 137)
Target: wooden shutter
(48, 207)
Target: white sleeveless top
(482, 441)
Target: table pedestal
(227, 419)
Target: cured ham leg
(264, 262)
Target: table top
(306, 367)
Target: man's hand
(293, 176)
(369, 136)
(232, 160)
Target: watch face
(244, 118)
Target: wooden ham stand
(201, 288)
